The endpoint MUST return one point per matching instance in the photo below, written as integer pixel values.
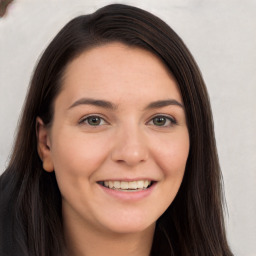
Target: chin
(131, 225)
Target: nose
(130, 147)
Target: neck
(81, 241)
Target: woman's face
(119, 140)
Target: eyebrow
(109, 105)
(94, 102)
(164, 103)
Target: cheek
(78, 155)
(172, 153)
(76, 158)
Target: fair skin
(119, 119)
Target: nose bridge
(130, 145)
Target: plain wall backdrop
(221, 34)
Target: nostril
(130, 155)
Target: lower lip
(129, 196)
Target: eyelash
(167, 119)
(85, 120)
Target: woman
(115, 152)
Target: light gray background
(221, 35)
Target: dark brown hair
(30, 199)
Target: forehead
(114, 70)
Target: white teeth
(146, 183)
(140, 183)
(125, 185)
(132, 185)
(117, 184)
(111, 184)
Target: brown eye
(159, 121)
(162, 121)
(93, 121)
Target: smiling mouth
(127, 186)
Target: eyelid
(84, 118)
(168, 117)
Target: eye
(93, 121)
(162, 121)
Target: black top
(8, 227)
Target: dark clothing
(8, 245)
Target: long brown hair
(194, 223)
